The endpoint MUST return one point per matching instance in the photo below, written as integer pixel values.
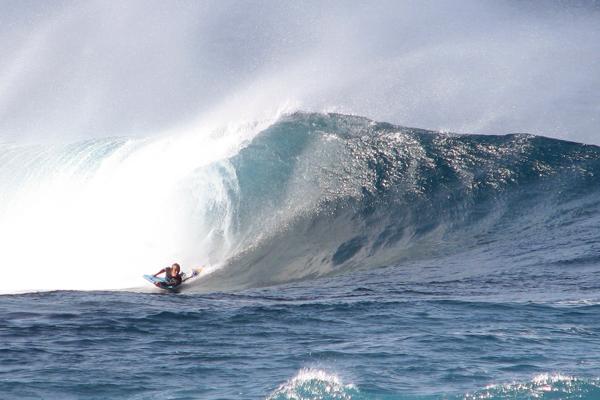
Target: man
(173, 276)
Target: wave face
(323, 194)
(309, 195)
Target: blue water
(415, 265)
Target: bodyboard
(154, 279)
(161, 282)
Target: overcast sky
(79, 69)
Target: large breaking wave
(306, 196)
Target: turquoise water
(359, 261)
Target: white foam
(561, 386)
(77, 222)
(316, 383)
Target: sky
(72, 70)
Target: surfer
(173, 276)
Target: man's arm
(195, 272)
(160, 272)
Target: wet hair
(176, 266)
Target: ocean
(345, 259)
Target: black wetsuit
(173, 280)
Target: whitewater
(347, 259)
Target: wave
(315, 384)
(324, 194)
(265, 203)
(318, 384)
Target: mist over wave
(73, 70)
(272, 202)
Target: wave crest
(312, 383)
(543, 386)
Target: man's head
(175, 269)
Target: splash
(312, 383)
(543, 386)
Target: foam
(312, 383)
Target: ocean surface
(346, 259)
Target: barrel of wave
(98, 214)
